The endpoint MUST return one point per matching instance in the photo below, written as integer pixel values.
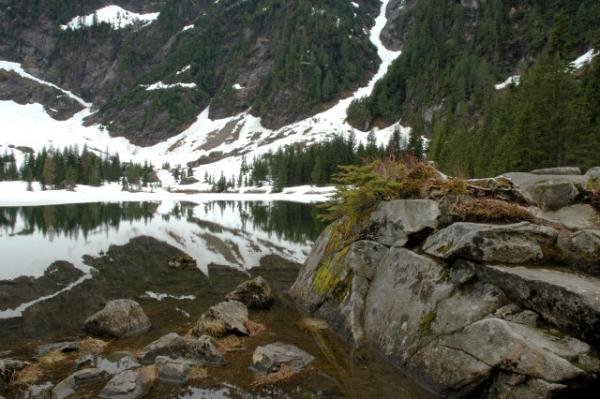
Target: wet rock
(121, 318)
(255, 294)
(561, 170)
(270, 358)
(202, 349)
(396, 221)
(130, 384)
(69, 385)
(224, 318)
(548, 191)
(64, 347)
(567, 300)
(173, 371)
(514, 244)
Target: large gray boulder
(270, 358)
(587, 244)
(228, 317)
(548, 191)
(567, 300)
(130, 384)
(202, 349)
(574, 217)
(514, 243)
(121, 318)
(396, 221)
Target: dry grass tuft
(29, 375)
(92, 345)
(487, 210)
(230, 343)
(254, 328)
(285, 372)
(52, 358)
(197, 373)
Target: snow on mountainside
(211, 146)
(115, 16)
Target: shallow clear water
(60, 264)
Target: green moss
(324, 280)
(426, 321)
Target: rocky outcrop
(203, 349)
(120, 318)
(468, 309)
(228, 317)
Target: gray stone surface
(395, 221)
(130, 384)
(224, 318)
(574, 217)
(587, 244)
(561, 170)
(515, 243)
(270, 358)
(202, 349)
(548, 191)
(7, 369)
(173, 371)
(120, 318)
(65, 347)
(565, 299)
(69, 385)
(255, 294)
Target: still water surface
(59, 264)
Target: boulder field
(470, 309)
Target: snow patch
(584, 60)
(117, 17)
(512, 80)
(164, 86)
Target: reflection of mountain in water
(232, 234)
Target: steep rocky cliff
(471, 308)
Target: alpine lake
(60, 264)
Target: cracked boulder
(396, 221)
(513, 244)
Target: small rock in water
(69, 385)
(64, 347)
(222, 319)
(272, 357)
(130, 384)
(173, 371)
(121, 318)
(201, 349)
(255, 293)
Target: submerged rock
(130, 384)
(69, 385)
(121, 318)
(270, 358)
(255, 294)
(228, 317)
(202, 349)
(173, 371)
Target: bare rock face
(120, 318)
(396, 221)
(471, 310)
(255, 294)
(270, 358)
(549, 191)
(513, 244)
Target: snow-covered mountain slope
(212, 146)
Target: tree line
(65, 169)
(298, 164)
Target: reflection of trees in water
(74, 219)
(285, 220)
